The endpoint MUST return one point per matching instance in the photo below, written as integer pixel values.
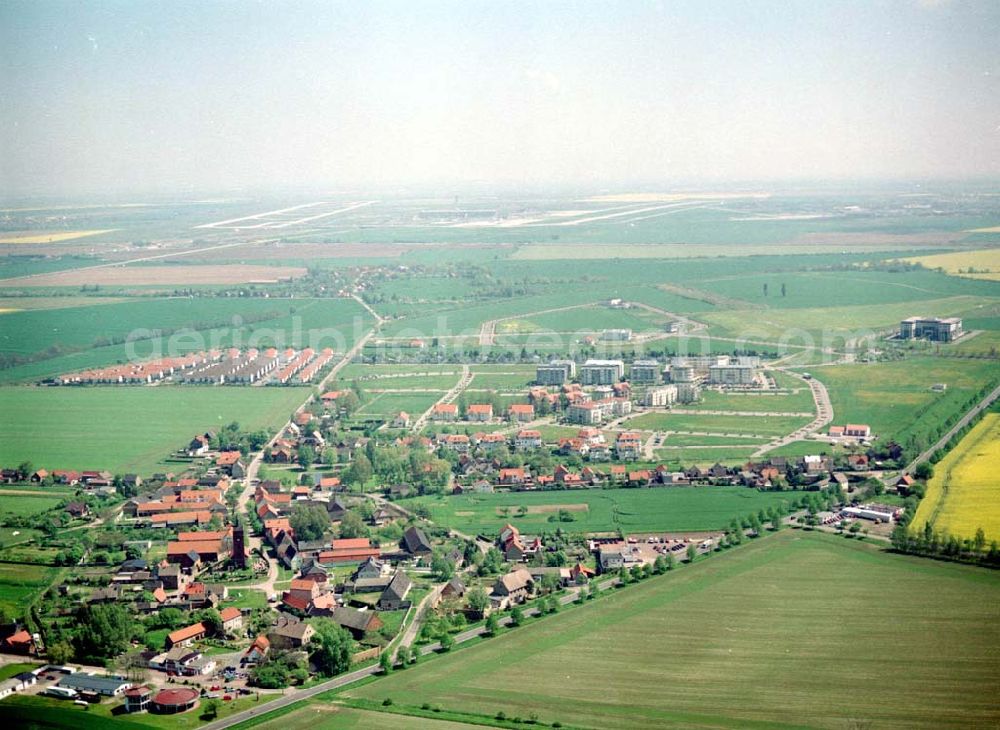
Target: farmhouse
(187, 635)
(514, 587)
(416, 542)
(257, 651)
(357, 622)
(454, 588)
(394, 595)
(348, 550)
(290, 632)
(232, 619)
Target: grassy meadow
(895, 398)
(20, 584)
(127, 429)
(750, 425)
(673, 509)
(794, 630)
(964, 493)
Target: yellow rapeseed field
(964, 493)
(50, 237)
(981, 264)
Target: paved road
(448, 397)
(962, 423)
(358, 674)
(824, 414)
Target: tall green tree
(309, 521)
(103, 630)
(332, 646)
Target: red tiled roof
(188, 632)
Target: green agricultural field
(673, 509)
(762, 636)
(85, 325)
(831, 325)
(749, 425)
(319, 715)
(25, 505)
(197, 324)
(591, 319)
(809, 289)
(895, 398)
(127, 429)
(21, 584)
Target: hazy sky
(174, 96)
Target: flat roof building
(109, 686)
(555, 372)
(936, 329)
(645, 371)
(602, 372)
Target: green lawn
(127, 429)
(600, 510)
(9, 670)
(795, 630)
(246, 598)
